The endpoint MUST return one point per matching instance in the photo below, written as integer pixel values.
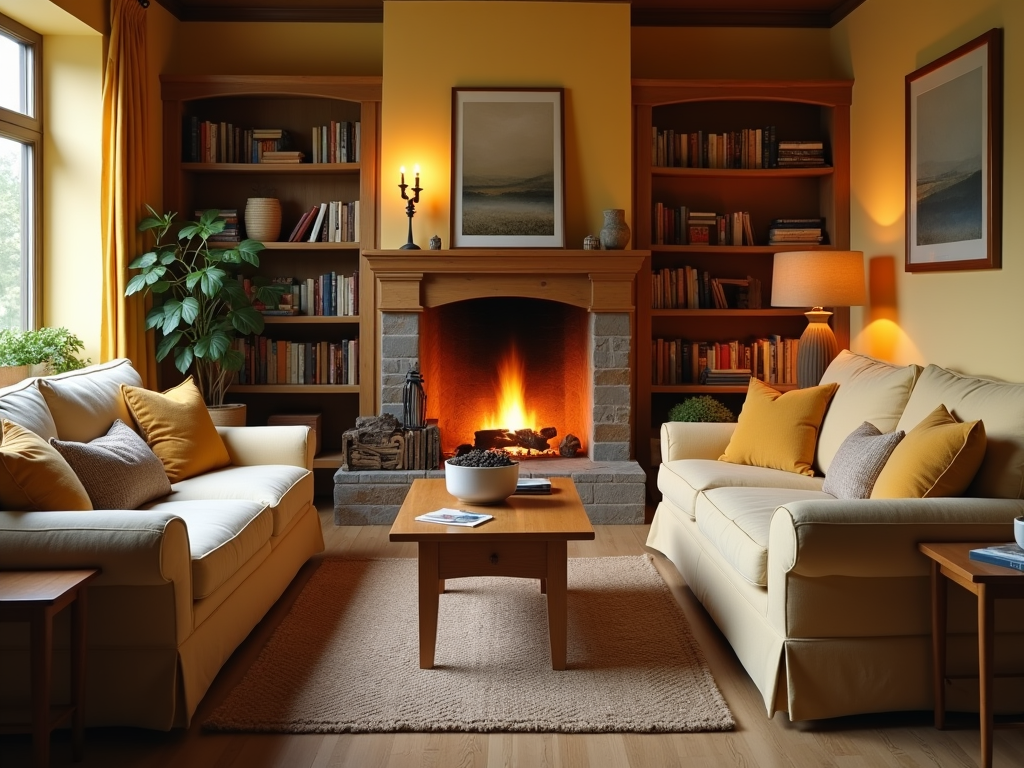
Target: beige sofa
(826, 602)
(184, 579)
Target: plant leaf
(247, 320)
(183, 359)
(145, 260)
(212, 280)
(167, 343)
(135, 285)
(189, 309)
(155, 317)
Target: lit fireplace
(507, 373)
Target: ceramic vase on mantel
(263, 218)
(615, 232)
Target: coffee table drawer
(526, 559)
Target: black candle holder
(410, 208)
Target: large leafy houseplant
(204, 306)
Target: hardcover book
(1006, 555)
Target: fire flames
(510, 392)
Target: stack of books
(282, 156)
(725, 376)
(801, 154)
(230, 232)
(527, 486)
(810, 231)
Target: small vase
(615, 233)
(263, 218)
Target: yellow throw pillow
(779, 431)
(177, 426)
(938, 457)
(35, 477)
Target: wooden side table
(36, 597)
(950, 560)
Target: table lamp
(817, 279)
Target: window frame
(28, 130)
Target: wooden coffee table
(527, 538)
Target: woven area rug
(345, 658)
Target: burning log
(527, 438)
(521, 438)
(569, 446)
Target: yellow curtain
(125, 175)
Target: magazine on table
(526, 485)
(1006, 555)
(461, 517)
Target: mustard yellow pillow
(177, 426)
(779, 431)
(35, 477)
(938, 457)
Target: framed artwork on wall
(508, 186)
(954, 123)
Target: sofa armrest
(291, 444)
(132, 548)
(694, 440)
(878, 537)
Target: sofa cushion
(736, 521)
(35, 477)
(118, 469)
(938, 457)
(999, 404)
(178, 427)
(23, 404)
(84, 403)
(858, 462)
(222, 536)
(779, 431)
(286, 490)
(869, 390)
(682, 480)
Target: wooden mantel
(599, 281)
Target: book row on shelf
(678, 361)
(219, 142)
(748, 148)
(270, 361)
(690, 288)
(682, 226)
(336, 221)
(337, 142)
(327, 295)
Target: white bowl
(1018, 531)
(480, 485)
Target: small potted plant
(701, 408)
(40, 352)
(203, 306)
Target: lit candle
(416, 169)
(402, 171)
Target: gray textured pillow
(858, 462)
(118, 469)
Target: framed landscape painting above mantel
(954, 123)
(507, 168)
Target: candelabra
(410, 208)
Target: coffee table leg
(41, 638)
(428, 587)
(556, 590)
(986, 646)
(78, 614)
(939, 644)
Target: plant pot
(12, 374)
(263, 218)
(227, 415)
(481, 485)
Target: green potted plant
(49, 350)
(203, 306)
(700, 408)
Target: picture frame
(508, 175)
(954, 159)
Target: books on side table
(533, 485)
(1006, 555)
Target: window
(21, 137)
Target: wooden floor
(901, 740)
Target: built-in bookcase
(296, 105)
(805, 111)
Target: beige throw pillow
(118, 469)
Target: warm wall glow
(510, 395)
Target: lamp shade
(818, 279)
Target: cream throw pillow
(779, 431)
(938, 457)
(177, 426)
(859, 460)
(35, 477)
(118, 469)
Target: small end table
(36, 597)
(950, 560)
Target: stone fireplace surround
(404, 283)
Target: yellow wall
(733, 52)
(969, 321)
(429, 47)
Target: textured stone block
(400, 346)
(400, 323)
(611, 433)
(609, 324)
(611, 396)
(619, 493)
(610, 452)
(612, 377)
(615, 514)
